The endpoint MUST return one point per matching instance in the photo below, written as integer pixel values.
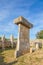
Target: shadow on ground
(2, 59)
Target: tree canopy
(39, 35)
(0, 37)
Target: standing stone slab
(12, 40)
(23, 45)
(38, 45)
(3, 42)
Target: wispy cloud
(4, 14)
(14, 8)
(30, 9)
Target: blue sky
(32, 10)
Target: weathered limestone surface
(12, 40)
(23, 21)
(23, 45)
(36, 42)
(38, 45)
(3, 40)
(4, 43)
(23, 38)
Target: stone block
(23, 45)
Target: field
(7, 58)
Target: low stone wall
(32, 42)
(7, 44)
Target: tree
(0, 38)
(39, 35)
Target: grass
(7, 58)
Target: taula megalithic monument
(23, 45)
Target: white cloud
(16, 8)
(4, 14)
(10, 27)
(9, 6)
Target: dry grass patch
(7, 58)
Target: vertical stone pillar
(3, 42)
(23, 45)
(30, 50)
(12, 40)
(37, 46)
(23, 39)
(37, 43)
